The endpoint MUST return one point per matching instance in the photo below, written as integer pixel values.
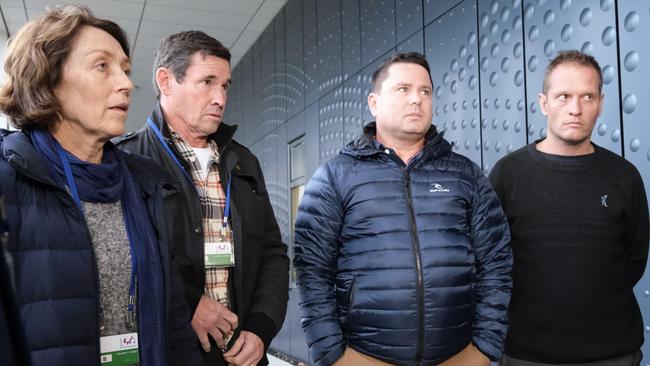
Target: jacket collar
(366, 145)
(147, 173)
(18, 150)
(222, 137)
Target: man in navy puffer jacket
(401, 246)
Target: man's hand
(248, 350)
(470, 356)
(214, 319)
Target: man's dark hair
(381, 73)
(575, 57)
(175, 53)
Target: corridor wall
(308, 76)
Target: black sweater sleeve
(637, 231)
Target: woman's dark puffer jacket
(56, 277)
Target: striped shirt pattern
(213, 201)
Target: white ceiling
(236, 23)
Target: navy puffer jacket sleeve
(319, 221)
(491, 239)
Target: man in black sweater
(578, 217)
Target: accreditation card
(219, 252)
(119, 350)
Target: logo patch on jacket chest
(436, 187)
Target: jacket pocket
(349, 298)
(249, 183)
(350, 295)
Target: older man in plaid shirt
(227, 243)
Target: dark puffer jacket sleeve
(491, 238)
(317, 242)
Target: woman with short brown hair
(88, 235)
(34, 60)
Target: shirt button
(387, 151)
(197, 230)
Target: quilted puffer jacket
(55, 272)
(405, 263)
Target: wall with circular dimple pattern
(634, 64)
(451, 46)
(308, 75)
(503, 94)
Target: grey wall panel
(331, 124)
(310, 37)
(350, 37)
(366, 85)
(456, 101)
(312, 138)
(267, 159)
(329, 46)
(583, 25)
(248, 85)
(281, 206)
(353, 101)
(233, 112)
(503, 107)
(415, 43)
(634, 27)
(270, 167)
(295, 69)
(433, 9)
(256, 105)
(408, 18)
(377, 28)
(267, 44)
(296, 126)
(280, 92)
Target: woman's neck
(78, 142)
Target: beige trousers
(353, 358)
(469, 356)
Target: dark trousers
(632, 359)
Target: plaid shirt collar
(187, 152)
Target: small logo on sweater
(435, 187)
(603, 201)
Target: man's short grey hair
(175, 53)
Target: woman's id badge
(119, 350)
(220, 252)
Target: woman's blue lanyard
(72, 186)
(154, 128)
